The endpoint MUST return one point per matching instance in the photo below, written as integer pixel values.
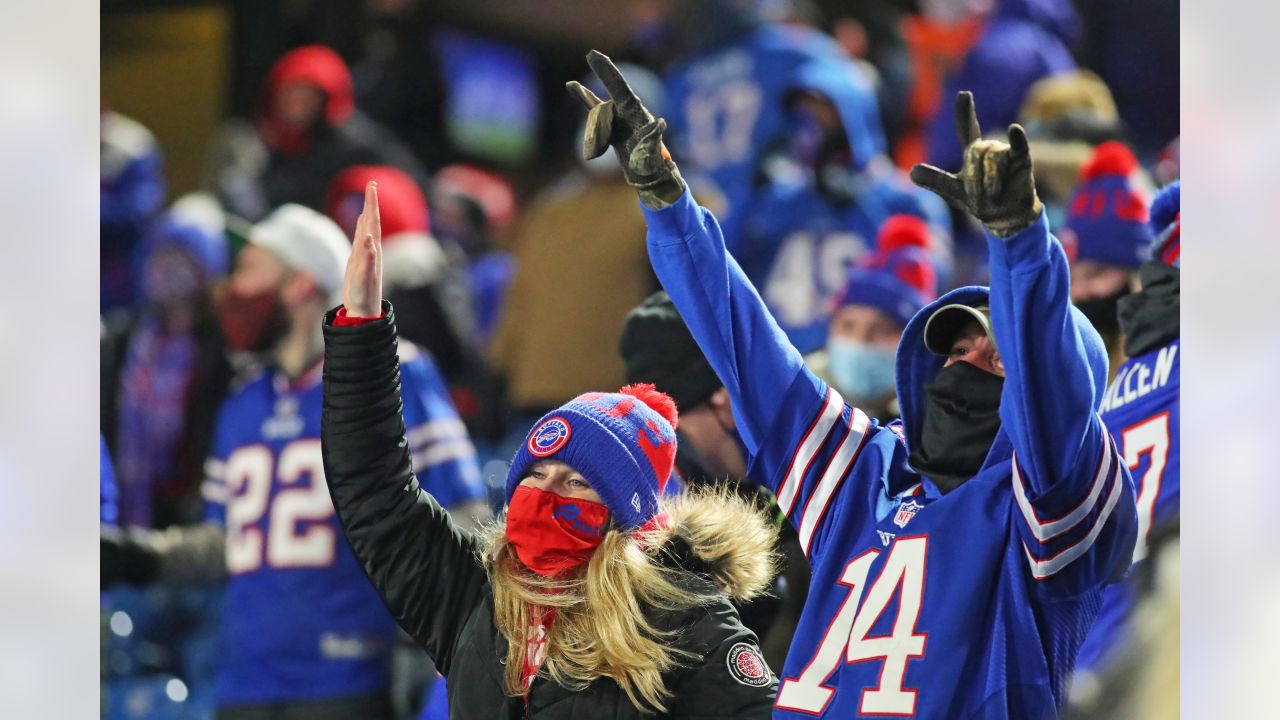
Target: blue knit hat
(1108, 216)
(899, 278)
(1166, 223)
(623, 443)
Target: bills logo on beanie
(623, 443)
(1107, 216)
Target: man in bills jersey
(304, 633)
(959, 554)
(1142, 410)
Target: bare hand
(362, 285)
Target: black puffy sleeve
(425, 568)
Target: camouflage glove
(636, 136)
(995, 184)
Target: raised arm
(424, 567)
(803, 440)
(1069, 482)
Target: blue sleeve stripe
(837, 468)
(1047, 567)
(807, 450)
(1044, 531)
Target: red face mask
(554, 534)
(251, 323)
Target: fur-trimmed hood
(721, 536)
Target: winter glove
(125, 559)
(995, 183)
(636, 136)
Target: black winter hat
(657, 348)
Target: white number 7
(1149, 436)
(904, 572)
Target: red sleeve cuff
(344, 320)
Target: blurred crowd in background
(521, 269)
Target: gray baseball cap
(945, 323)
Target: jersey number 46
(297, 532)
(846, 639)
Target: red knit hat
(401, 204)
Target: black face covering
(1149, 318)
(1103, 313)
(961, 419)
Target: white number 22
(250, 471)
(903, 572)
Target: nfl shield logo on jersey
(906, 511)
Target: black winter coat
(428, 571)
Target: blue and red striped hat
(623, 443)
(1107, 216)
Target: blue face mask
(860, 370)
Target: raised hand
(636, 136)
(362, 284)
(995, 184)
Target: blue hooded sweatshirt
(796, 242)
(966, 605)
(1022, 42)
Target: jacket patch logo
(747, 666)
(550, 436)
(906, 511)
(885, 537)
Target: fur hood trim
(721, 535)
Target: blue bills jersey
(1141, 407)
(796, 246)
(971, 604)
(725, 106)
(301, 620)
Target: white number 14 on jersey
(847, 640)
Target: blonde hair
(600, 628)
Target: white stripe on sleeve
(1047, 530)
(1041, 569)
(808, 448)
(837, 468)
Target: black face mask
(1104, 312)
(1149, 318)
(961, 419)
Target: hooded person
(307, 130)
(165, 371)
(724, 93)
(822, 196)
(303, 634)
(884, 291)
(1143, 405)
(959, 553)
(1107, 237)
(597, 594)
(421, 275)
